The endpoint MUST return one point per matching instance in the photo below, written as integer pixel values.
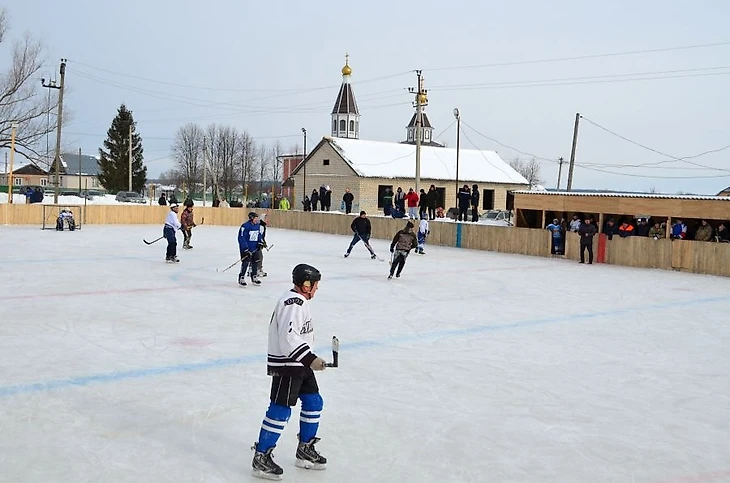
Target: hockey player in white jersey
(423, 232)
(291, 362)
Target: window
(18, 181)
(352, 126)
(94, 182)
(44, 182)
(410, 135)
(427, 134)
(343, 125)
(334, 125)
(325, 162)
(381, 192)
(488, 200)
(357, 125)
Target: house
(28, 175)
(725, 192)
(79, 172)
(369, 167)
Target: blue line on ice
(13, 390)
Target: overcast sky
(271, 68)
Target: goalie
(65, 217)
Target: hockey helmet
(252, 215)
(305, 273)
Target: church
(368, 168)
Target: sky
(271, 68)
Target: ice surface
(473, 366)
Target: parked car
(130, 197)
(496, 218)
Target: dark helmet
(305, 273)
(252, 215)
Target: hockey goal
(51, 214)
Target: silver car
(130, 197)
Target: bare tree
(248, 161)
(225, 157)
(172, 177)
(530, 170)
(276, 166)
(20, 100)
(187, 150)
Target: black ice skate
(172, 260)
(255, 281)
(308, 457)
(390, 275)
(242, 281)
(263, 465)
(262, 273)
(373, 256)
(347, 254)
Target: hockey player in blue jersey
(249, 244)
(291, 363)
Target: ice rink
(473, 366)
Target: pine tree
(114, 156)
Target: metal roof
(623, 195)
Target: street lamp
(457, 115)
(304, 184)
(9, 176)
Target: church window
(352, 126)
(343, 125)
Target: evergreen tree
(114, 156)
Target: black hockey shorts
(285, 390)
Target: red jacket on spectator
(412, 199)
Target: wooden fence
(691, 256)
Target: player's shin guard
(309, 416)
(272, 426)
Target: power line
(651, 176)
(508, 146)
(582, 57)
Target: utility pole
(421, 102)
(130, 157)
(59, 122)
(304, 158)
(205, 166)
(572, 152)
(560, 171)
(13, 129)
(79, 171)
(457, 115)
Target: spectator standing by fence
(557, 233)
(657, 231)
(315, 199)
(679, 230)
(433, 198)
(704, 232)
(412, 199)
(348, 198)
(464, 201)
(586, 231)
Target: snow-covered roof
(374, 159)
(608, 194)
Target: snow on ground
(473, 366)
(68, 200)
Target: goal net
(53, 213)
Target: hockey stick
(269, 247)
(370, 249)
(233, 264)
(154, 241)
(335, 353)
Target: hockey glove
(318, 364)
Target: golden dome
(347, 70)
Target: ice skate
(373, 256)
(308, 457)
(242, 281)
(347, 254)
(390, 275)
(263, 465)
(255, 281)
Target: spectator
(173, 199)
(475, 203)
(387, 201)
(642, 227)
(37, 196)
(586, 231)
(396, 213)
(322, 196)
(557, 233)
(679, 230)
(432, 202)
(28, 195)
(575, 224)
(412, 199)
(657, 231)
(440, 212)
(307, 203)
(348, 198)
(610, 228)
(463, 202)
(163, 200)
(704, 232)
(626, 229)
(315, 199)
(723, 234)
(400, 199)
(216, 202)
(284, 204)
(422, 204)
(327, 201)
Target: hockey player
(262, 242)
(187, 222)
(249, 236)
(291, 362)
(400, 247)
(172, 225)
(423, 232)
(361, 228)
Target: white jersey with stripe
(290, 336)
